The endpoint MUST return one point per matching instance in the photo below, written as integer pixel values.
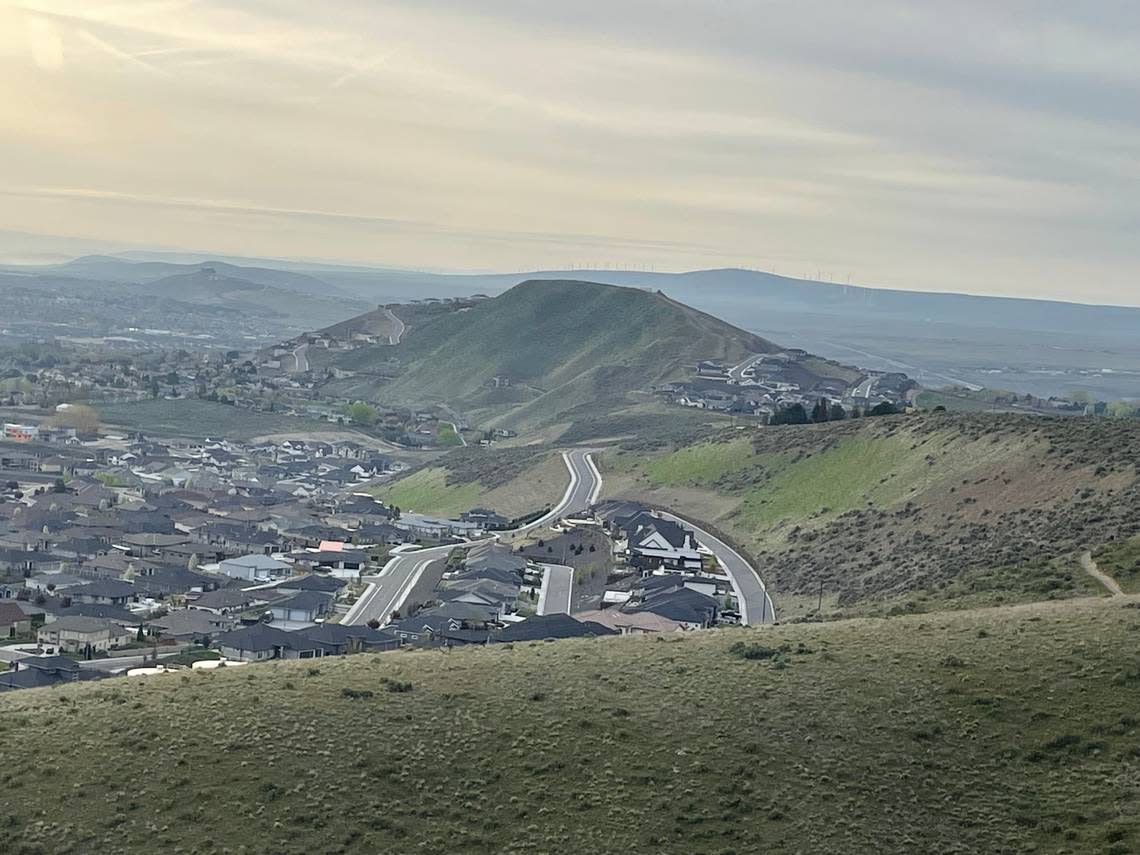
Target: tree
(139, 634)
(1122, 409)
(820, 412)
(838, 414)
(886, 408)
(794, 414)
(78, 416)
(361, 413)
(373, 624)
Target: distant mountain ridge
(1038, 346)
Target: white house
(255, 568)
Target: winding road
(736, 374)
(755, 603)
(301, 358)
(398, 327)
(388, 591)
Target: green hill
(917, 512)
(1006, 730)
(563, 347)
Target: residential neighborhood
(126, 553)
(768, 386)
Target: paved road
(387, 592)
(864, 389)
(397, 326)
(301, 358)
(557, 591)
(755, 603)
(582, 491)
(736, 375)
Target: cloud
(44, 43)
(958, 145)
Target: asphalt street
(755, 603)
(557, 589)
(388, 591)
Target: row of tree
(826, 411)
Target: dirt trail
(1093, 570)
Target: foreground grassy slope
(562, 345)
(932, 508)
(1007, 730)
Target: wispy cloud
(965, 144)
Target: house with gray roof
(255, 568)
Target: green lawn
(1000, 731)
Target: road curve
(736, 373)
(582, 491)
(398, 327)
(388, 591)
(755, 603)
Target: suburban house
(14, 621)
(255, 568)
(302, 608)
(232, 601)
(82, 635)
(33, 672)
(653, 543)
(255, 643)
(541, 627)
(339, 639)
(190, 626)
(106, 592)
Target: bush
(753, 651)
(356, 694)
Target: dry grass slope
(993, 731)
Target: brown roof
(11, 613)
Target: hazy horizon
(946, 148)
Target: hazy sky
(990, 147)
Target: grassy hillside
(915, 512)
(1010, 730)
(564, 346)
(511, 481)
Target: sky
(947, 145)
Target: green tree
(361, 413)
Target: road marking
(597, 491)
